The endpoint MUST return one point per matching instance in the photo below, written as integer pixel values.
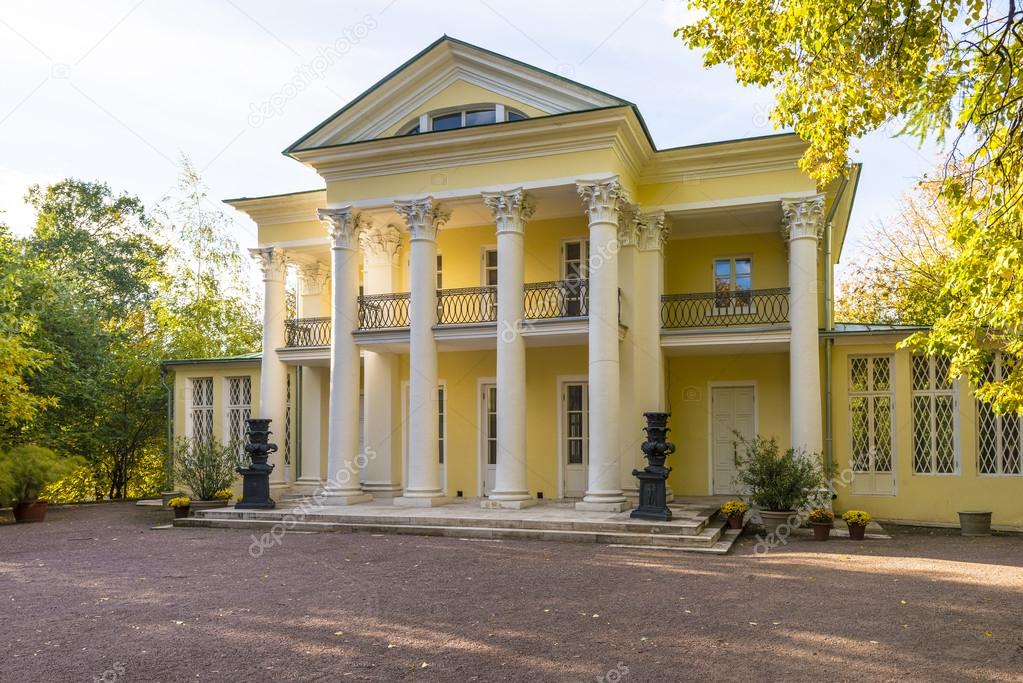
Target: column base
(344, 498)
(421, 501)
(280, 485)
(382, 490)
(306, 486)
(511, 503)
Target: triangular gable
(446, 61)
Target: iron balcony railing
(557, 299)
(381, 311)
(307, 332)
(466, 305)
(725, 308)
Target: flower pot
(856, 531)
(165, 496)
(30, 512)
(821, 530)
(208, 504)
(181, 512)
(975, 523)
(736, 521)
(772, 519)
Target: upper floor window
(462, 117)
(733, 280)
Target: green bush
(775, 481)
(26, 470)
(206, 466)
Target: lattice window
(1000, 446)
(200, 410)
(441, 416)
(239, 409)
(287, 422)
(934, 416)
(870, 412)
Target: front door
(732, 410)
(575, 442)
(489, 422)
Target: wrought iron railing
(725, 308)
(557, 299)
(466, 305)
(380, 311)
(307, 332)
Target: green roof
(242, 358)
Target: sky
(119, 90)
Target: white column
(381, 246)
(631, 429)
(424, 487)
(603, 200)
(649, 376)
(343, 422)
(802, 226)
(312, 279)
(511, 209)
(273, 373)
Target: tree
(951, 70)
(898, 276)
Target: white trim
(443, 384)
(481, 464)
(892, 393)
(711, 385)
(559, 385)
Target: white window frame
(872, 481)
(584, 253)
(191, 407)
(561, 382)
(425, 120)
(442, 438)
(230, 408)
(932, 393)
(731, 308)
(995, 373)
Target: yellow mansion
(502, 273)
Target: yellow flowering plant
(223, 494)
(734, 508)
(179, 502)
(856, 518)
(821, 516)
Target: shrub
(207, 466)
(179, 502)
(26, 470)
(822, 516)
(734, 508)
(856, 518)
(776, 481)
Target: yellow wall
(920, 497)
(689, 383)
(688, 263)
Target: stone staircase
(695, 527)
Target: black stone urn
(256, 477)
(653, 478)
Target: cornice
(725, 159)
(291, 208)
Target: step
(689, 527)
(708, 539)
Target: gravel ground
(95, 594)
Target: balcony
(748, 308)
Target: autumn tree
(944, 70)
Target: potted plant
(180, 505)
(207, 468)
(822, 520)
(25, 471)
(734, 511)
(779, 483)
(857, 520)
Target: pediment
(447, 71)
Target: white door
(489, 422)
(732, 410)
(575, 431)
(442, 441)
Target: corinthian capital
(630, 222)
(803, 217)
(603, 199)
(313, 277)
(423, 217)
(653, 231)
(380, 245)
(512, 209)
(342, 225)
(273, 261)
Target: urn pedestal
(256, 477)
(653, 503)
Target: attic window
(463, 117)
